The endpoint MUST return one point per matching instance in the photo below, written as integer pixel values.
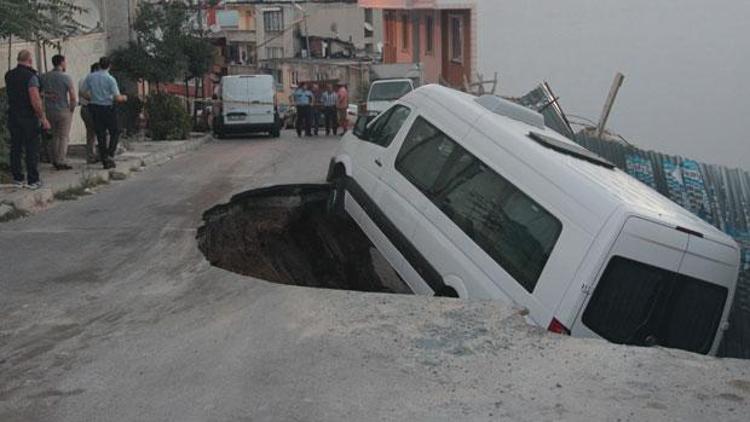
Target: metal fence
(717, 194)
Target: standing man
(59, 104)
(88, 121)
(302, 101)
(329, 99)
(25, 115)
(317, 108)
(342, 106)
(100, 89)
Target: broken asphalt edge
(32, 201)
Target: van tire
(275, 133)
(335, 205)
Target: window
(274, 53)
(273, 20)
(386, 127)
(368, 15)
(457, 39)
(405, 32)
(638, 304)
(429, 34)
(509, 226)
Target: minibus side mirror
(360, 128)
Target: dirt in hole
(284, 234)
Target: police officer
(25, 118)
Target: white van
(248, 105)
(476, 198)
(384, 92)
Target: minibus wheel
(446, 291)
(335, 205)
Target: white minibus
(474, 197)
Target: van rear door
(260, 98)
(643, 297)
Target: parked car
(474, 197)
(247, 105)
(384, 92)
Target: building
(295, 40)
(440, 35)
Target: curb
(27, 201)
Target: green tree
(39, 20)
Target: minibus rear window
(643, 305)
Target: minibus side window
(386, 127)
(508, 225)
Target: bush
(167, 117)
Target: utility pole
(616, 84)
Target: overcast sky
(686, 63)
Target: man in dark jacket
(25, 119)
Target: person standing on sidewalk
(342, 107)
(101, 90)
(88, 121)
(59, 105)
(302, 101)
(25, 117)
(329, 99)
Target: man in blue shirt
(329, 99)
(101, 91)
(303, 102)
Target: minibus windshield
(643, 305)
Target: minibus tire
(335, 204)
(446, 291)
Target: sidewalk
(21, 201)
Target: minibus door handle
(378, 162)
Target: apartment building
(440, 35)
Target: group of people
(316, 107)
(47, 103)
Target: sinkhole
(285, 234)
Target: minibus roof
(599, 188)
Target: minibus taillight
(556, 326)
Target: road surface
(108, 312)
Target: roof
(591, 193)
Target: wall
(80, 52)
(286, 40)
(686, 66)
(349, 20)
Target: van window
(508, 225)
(387, 125)
(643, 305)
(389, 91)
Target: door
(371, 152)
(643, 254)
(260, 98)
(382, 214)
(234, 100)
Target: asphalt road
(108, 312)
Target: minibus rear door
(640, 247)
